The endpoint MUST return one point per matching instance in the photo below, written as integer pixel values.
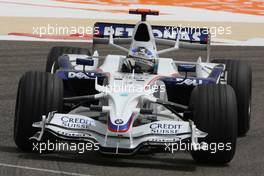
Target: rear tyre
(239, 76)
(38, 94)
(55, 52)
(214, 111)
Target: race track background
(244, 17)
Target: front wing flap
(79, 127)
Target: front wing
(83, 128)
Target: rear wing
(188, 34)
(190, 38)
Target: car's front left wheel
(214, 111)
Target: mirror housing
(85, 61)
(187, 68)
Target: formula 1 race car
(139, 101)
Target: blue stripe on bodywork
(216, 72)
(120, 128)
(193, 80)
(79, 75)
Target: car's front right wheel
(38, 94)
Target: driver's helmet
(141, 60)
(142, 52)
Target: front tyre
(214, 111)
(38, 94)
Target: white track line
(215, 41)
(41, 170)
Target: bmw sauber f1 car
(138, 101)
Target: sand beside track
(232, 30)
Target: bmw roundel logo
(119, 121)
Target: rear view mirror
(85, 61)
(186, 68)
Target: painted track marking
(41, 170)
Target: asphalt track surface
(19, 57)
